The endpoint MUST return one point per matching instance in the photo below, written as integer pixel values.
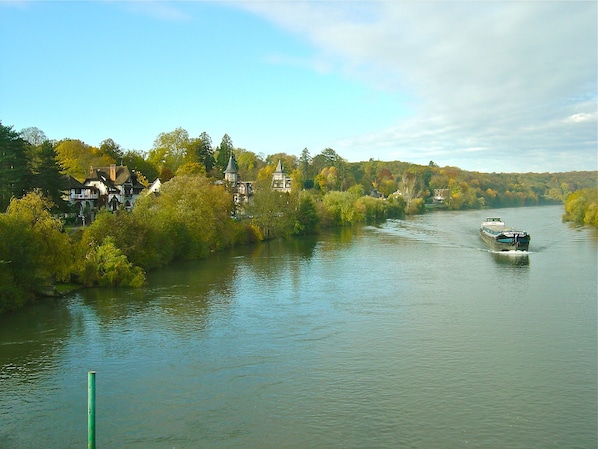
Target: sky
(489, 86)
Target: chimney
(112, 172)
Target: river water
(406, 335)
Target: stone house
(241, 190)
(280, 181)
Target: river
(411, 334)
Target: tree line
(195, 215)
(581, 207)
(30, 161)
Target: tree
(105, 265)
(328, 179)
(408, 188)
(205, 152)
(136, 161)
(17, 257)
(76, 158)
(225, 150)
(581, 207)
(170, 150)
(191, 168)
(14, 169)
(305, 165)
(249, 164)
(329, 158)
(33, 135)
(340, 206)
(269, 209)
(47, 175)
(51, 243)
(111, 149)
(195, 214)
(306, 217)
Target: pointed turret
(280, 180)
(231, 174)
(279, 167)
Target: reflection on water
(407, 334)
(29, 340)
(511, 258)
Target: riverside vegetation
(194, 215)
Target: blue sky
(488, 86)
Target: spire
(279, 167)
(231, 167)
(230, 174)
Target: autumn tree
(328, 179)
(76, 158)
(581, 207)
(191, 169)
(408, 187)
(170, 150)
(34, 250)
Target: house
(84, 198)
(280, 181)
(441, 195)
(118, 187)
(154, 187)
(241, 190)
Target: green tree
(18, 280)
(249, 164)
(136, 161)
(47, 175)
(170, 150)
(105, 265)
(306, 218)
(112, 150)
(205, 152)
(34, 250)
(52, 245)
(225, 150)
(305, 166)
(14, 166)
(196, 214)
(340, 207)
(270, 210)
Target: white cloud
(515, 78)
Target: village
(116, 187)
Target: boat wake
(510, 253)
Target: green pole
(91, 410)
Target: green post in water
(91, 410)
